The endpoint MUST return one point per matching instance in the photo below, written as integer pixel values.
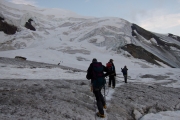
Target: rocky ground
(24, 99)
(131, 101)
(45, 100)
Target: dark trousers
(125, 78)
(112, 79)
(100, 100)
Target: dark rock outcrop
(29, 26)
(146, 34)
(160, 50)
(141, 53)
(7, 28)
(174, 37)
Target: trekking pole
(104, 93)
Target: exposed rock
(7, 28)
(155, 44)
(174, 37)
(137, 114)
(21, 58)
(146, 34)
(29, 26)
(141, 53)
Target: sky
(161, 16)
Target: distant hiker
(112, 73)
(95, 72)
(124, 71)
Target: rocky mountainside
(21, 26)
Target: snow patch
(153, 41)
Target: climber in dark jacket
(112, 75)
(95, 72)
(124, 71)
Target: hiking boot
(100, 115)
(113, 87)
(105, 107)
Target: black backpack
(98, 75)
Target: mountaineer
(124, 71)
(95, 72)
(111, 72)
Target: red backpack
(109, 66)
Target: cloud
(157, 20)
(162, 23)
(26, 2)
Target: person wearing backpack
(124, 71)
(95, 72)
(112, 73)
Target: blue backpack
(98, 75)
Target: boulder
(21, 58)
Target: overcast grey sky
(161, 16)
